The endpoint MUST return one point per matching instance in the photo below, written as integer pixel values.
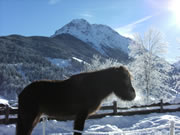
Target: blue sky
(44, 17)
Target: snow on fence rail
(8, 115)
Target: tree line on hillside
(14, 77)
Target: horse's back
(61, 97)
(45, 95)
(43, 87)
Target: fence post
(7, 110)
(115, 107)
(172, 127)
(44, 125)
(161, 105)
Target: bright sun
(174, 7)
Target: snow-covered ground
(59, 62)
(3, 101)
(151, 124)
(63, 63)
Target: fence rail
(8, 115)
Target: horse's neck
(96, 80)
(104, 82)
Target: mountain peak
(97, 35)
(80, 21)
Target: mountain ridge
(96, 35)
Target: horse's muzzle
(132, 94)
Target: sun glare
(174, 7)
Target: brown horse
(78, 96)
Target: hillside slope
(25, 59)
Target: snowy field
(151, 124)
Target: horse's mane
(87, 73)
(103, 70)
(97, 71)
(79, 77)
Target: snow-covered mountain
(98, 36)
(177, 65)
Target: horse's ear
(121, 67)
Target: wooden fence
(8, 115)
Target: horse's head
(122, 82)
